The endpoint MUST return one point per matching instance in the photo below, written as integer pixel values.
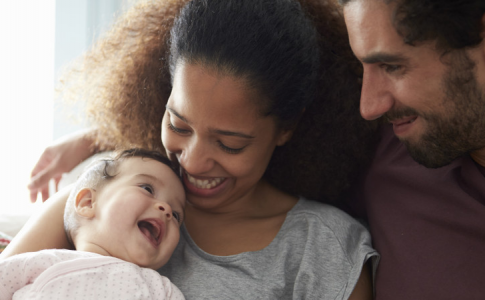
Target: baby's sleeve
(161, 285)
(20, 270)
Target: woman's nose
(165, 208)
(196, 158)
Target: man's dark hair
(453, 24)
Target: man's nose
(376, 98)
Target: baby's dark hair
(98, 174)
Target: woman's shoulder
(327, 225)
(324, 213)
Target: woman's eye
(147, 188)
(230, 150)
(175, 129)
(177, 216)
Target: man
(424, 194)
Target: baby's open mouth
(152, 229)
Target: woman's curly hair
(125, 83)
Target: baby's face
(139, 213)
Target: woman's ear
(85, 203)
(483, 26)
(284, 137)
(286, 134)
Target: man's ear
(86, 203)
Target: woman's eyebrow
(177, 114)
(216, 131)
(232, 133)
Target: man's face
(435, 102)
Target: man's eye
(147, 188)
(391, 68)
(177, 216)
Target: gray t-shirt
(317, 254)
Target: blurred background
(37, 39)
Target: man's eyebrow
(177, 114)
(384, 58)
(232, 133)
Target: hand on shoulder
(60, 157)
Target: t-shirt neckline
(242, 255)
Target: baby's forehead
(151, 170)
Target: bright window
(27, 31)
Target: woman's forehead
(199, 92)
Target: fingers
(45, 194)
(56, 181)
(33, 196)
(40, 183)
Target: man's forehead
(370, 28)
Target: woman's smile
(207, 183)
(204, 187)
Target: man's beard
(460, 128)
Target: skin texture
(144, 189)
(420, 91)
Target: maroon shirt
(427, 224)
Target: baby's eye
(177, 216)
(147, 188)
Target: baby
(123, 217)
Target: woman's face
(214, 128)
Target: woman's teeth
(206, 183)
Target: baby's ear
(85, 203)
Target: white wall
(37, 39)
(26, 91)
(78, 24)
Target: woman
(248, 100)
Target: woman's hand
(59, 158)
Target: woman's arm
(44, 230)
(363, 288)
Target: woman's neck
(249, 224)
